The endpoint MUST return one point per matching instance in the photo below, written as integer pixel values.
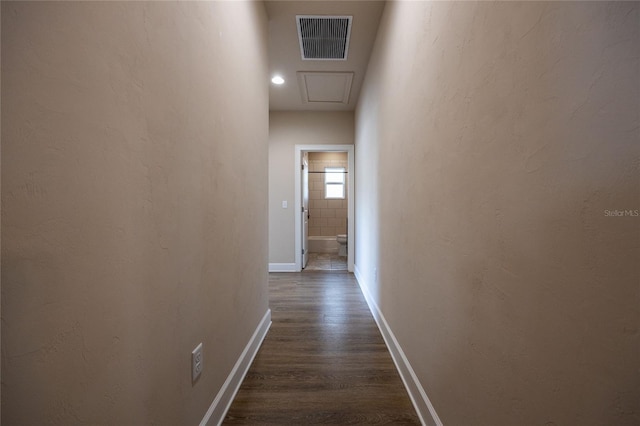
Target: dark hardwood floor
(323, 361)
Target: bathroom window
(334, 182)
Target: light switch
(284, 204)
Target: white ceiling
(319, 85)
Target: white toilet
(342, 240)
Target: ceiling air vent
(324, 38)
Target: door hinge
(303, 167)
(302, 209)
(302, 251)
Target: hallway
(323, 360)
(151, 179)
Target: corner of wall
(222, 402)
(420, 400)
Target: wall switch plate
(284, 204)
(196, 362)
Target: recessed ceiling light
(277, 80)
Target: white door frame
(349, 149)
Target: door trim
(350, 150)
(305, 212)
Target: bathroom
(328, 206)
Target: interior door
(305, 209)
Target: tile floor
(326, 262)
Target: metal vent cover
(324, 38)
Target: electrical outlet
(196, 362)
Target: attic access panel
(324, 38)
(325, 87)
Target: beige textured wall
(286, 130)
(491, 138)
(134, 170)
(328, 217)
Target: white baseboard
(421, 403)
(282, 267)
(220, 405)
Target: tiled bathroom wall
(328, 217)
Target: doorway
(325, 180)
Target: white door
(305, 209)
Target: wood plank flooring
(323, 360)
